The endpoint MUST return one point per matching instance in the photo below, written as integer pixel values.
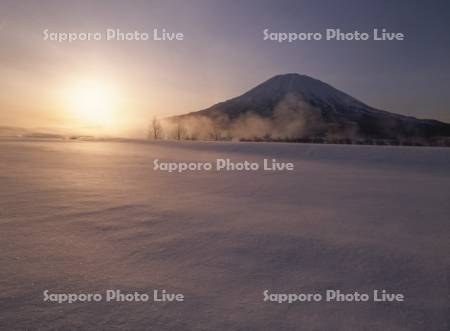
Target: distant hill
(9, 131)
(17, 132)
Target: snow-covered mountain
(319, 110)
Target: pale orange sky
(41, 74)
(148, 78)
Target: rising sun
(92, 101)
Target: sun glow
(93, 102)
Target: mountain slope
(298, 106)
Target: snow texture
(88, 216)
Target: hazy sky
(223, 54)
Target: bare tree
(179, 130)
(216, 132)
(155, 129)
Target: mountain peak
(291, 75)
(301, 86)
(295, 77)
(292, 81)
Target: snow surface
(88, 216)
